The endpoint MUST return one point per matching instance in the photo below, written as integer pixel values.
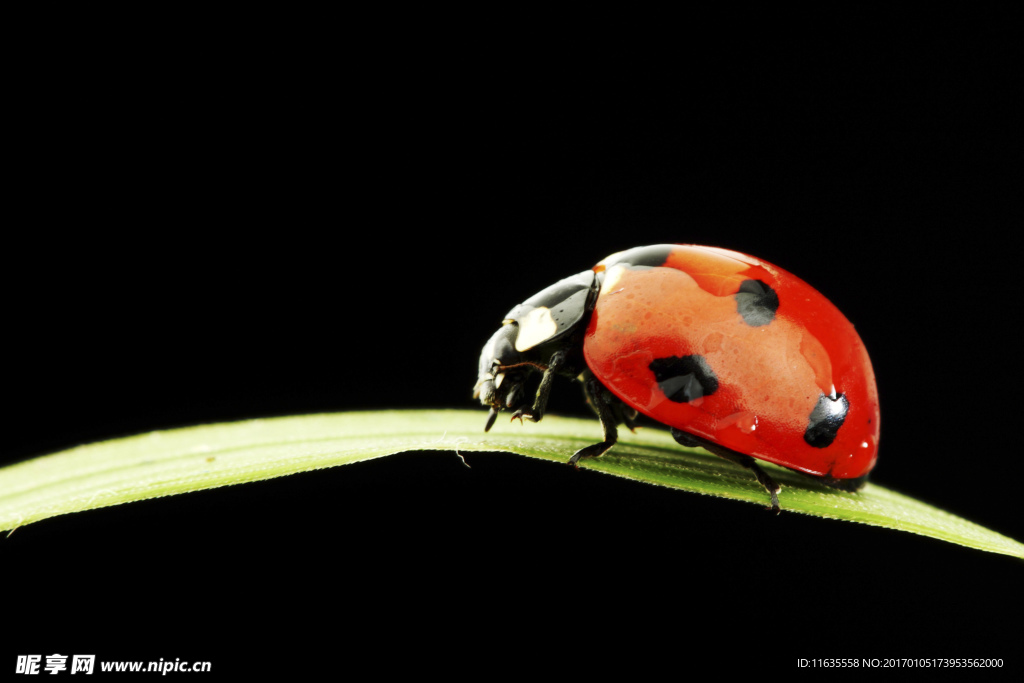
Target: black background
(283, 228)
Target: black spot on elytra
(826, 419)
(684, 379)
(756, 302)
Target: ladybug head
(531, 332)
(503, 373)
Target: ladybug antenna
(524, 364)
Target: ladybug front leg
(597, 397)
(540, 403)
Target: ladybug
(732, 353)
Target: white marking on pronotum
(535, 327)
(611, 280)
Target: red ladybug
(734, 354)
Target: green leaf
(177, 461)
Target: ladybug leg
(625, 415)
(540, 403)
(741, 459)
(599, 399)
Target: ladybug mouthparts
(501, 384)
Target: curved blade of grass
(178, 461)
